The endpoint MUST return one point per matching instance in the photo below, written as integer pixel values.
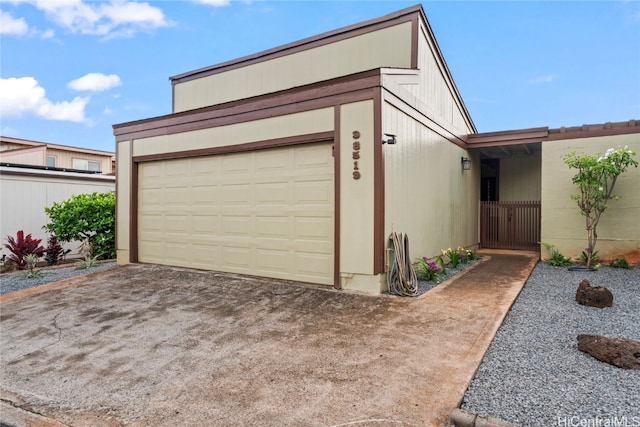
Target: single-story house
(299, 162)
(34, 175)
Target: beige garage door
(266, 213)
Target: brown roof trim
(249, 146)
(541, 134)
(395, 18)
(509, 137)
(305, 98)
(590, 131)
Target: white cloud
(22, 95)
(214, 3)
(109, 19)
(11, 25)
(48, 34)
(541, 79)
(95, 82)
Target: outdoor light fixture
(391, 139)
(466, 163)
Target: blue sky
(72, 68)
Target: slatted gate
(510, 225)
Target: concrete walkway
(160, 346)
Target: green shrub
(86, 217)
(556, 259)
(619, 263)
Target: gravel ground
(533, 373)
(10, 282)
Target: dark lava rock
(597, 296)
(621, 352)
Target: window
(86, 165)
(51, 161)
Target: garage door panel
(205, 224)
(205, 165)
(275, 260)
(317, 192)
(272, 227)
(267, 212)
(313, 228)
(272, 193)
(237, 225)
(312, 156)
(237, 257)
(234, 163)
(270, 160)
(237, 194)
(175, 223)
(205, 194)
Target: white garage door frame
(316, 138)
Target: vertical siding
(32, 157)
(64, 159)
(388, 47)
(520, 178)
(433, 89)
(562, 224)
(427, 194)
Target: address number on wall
(356, 154)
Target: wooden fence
(510, 225)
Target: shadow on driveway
(146, 345)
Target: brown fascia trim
(249, 146)
(336, 198)
(379, 240)
(589, 131)
(318, 95)
(509, 137)
(542, 134)
(395, 18)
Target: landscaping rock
(593, 296)
(621, 352)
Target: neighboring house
(29, 182)
(300, 161)
(26, 152)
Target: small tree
(596, 178)
(86, 217)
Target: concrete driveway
(147, 345)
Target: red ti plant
(22, 246)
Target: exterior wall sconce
(466, 163)
(391, 139)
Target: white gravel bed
(10, 282)
(534, 375)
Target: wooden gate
(510, 225)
